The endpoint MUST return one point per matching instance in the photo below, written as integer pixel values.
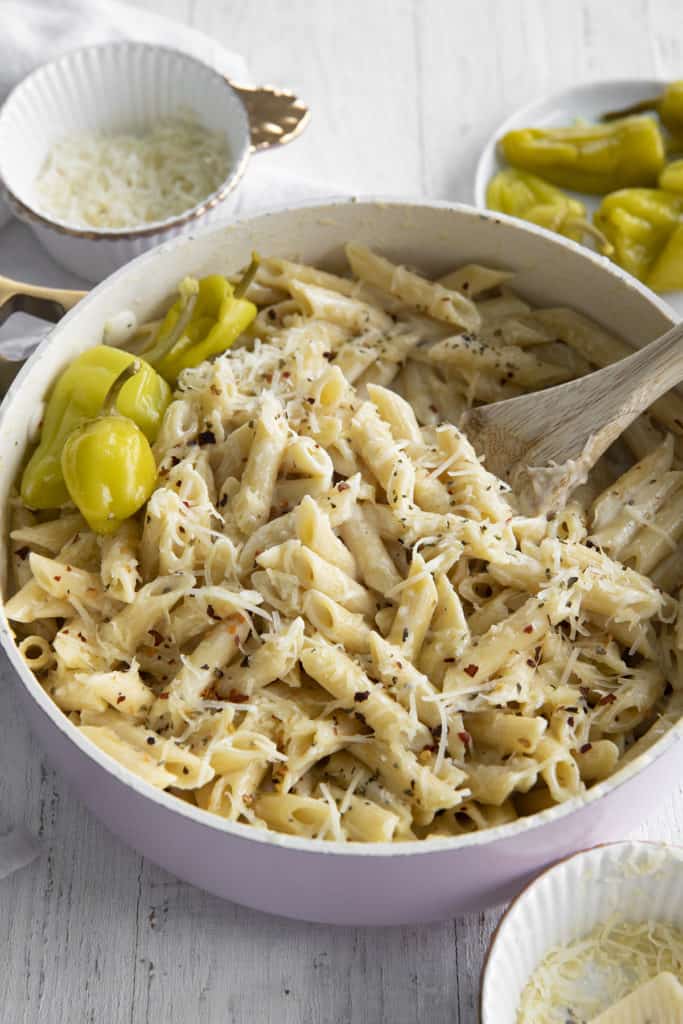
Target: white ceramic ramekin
(638, 881)
(125, 86)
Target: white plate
(587, 101)
(638, 881)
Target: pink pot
(310, 879)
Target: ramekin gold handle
(276, 116)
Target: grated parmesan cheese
(123, 181)
(577, 982)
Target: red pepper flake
(531, 663)
(609, 698)
(120, 699)
(361, 696)
(528, 629)
(237, 698)
(343, 486)
(465, 738)
(56, 578)
(286, 375)
(187, 504)
(163, 696)
(585, 748)
(471, 670)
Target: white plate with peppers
(602, 164)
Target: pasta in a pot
(330, 619)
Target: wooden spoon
(545, 443)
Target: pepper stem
(158, 351)
(114, 390)
(604, 245)
(248, 276)
(635, 108)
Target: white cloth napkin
(34, 31)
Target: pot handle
(47, 303)
(276, 116)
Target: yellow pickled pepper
(206, 319)
(594, 158)
(108, 465)
(525, 195)
(644, 226)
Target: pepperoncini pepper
(522, 194)
(78, 396)
(590, 158)
(644, 226)
(208, 316)
(108, 465)
(669, 106)
(671, 178)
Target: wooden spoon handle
(640, 379)
(567, 428)
(595, 410)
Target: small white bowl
(116, 87)
(639, 881)
(588, 101)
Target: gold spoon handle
(276, 116)
(47, 303)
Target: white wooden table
(403, 92)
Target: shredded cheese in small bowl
(593, 940)
(578, 981)
(127, 180)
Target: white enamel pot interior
(316, 880)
